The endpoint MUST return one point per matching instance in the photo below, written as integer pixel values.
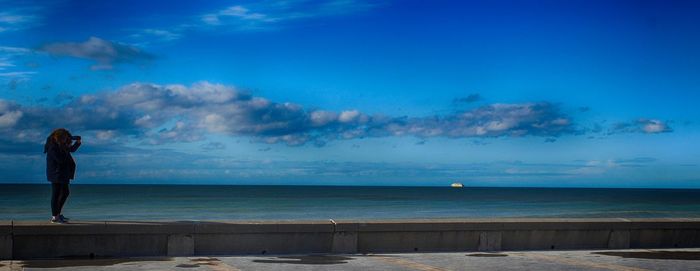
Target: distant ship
(457, 185)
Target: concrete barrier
(28, 240)
(217, 238)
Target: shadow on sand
(82, 261)
(656, 255)
(310, 259)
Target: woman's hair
(55, 138)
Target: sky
(352, 92)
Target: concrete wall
(26, 240)
(5, 240)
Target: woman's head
(60, 137)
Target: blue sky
(351, 92)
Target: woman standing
(60, 169)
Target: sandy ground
(625, 260)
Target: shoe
(57, 220)
(65, 219)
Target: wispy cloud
(257, 16)
(597, 167)
(11, 71)
(16, 20)
(23, 74)
(647, 126)
(238, 13)
(157, 34)
(472, 98)
(21, 15)
(213, 146)
(104, 53)
(266, 14)
(7, 50)
(5, 63)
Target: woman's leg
(65, 191)
(56, 191)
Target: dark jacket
(60, 166)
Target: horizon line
(358, 185)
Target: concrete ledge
(124, 227)
(26, 240)
(45, 228)
(426, 225)
(227, 227)
(101, 227)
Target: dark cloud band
(104, 53)
(157, 114)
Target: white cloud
(348, 116)
(9, 114)
(215, 123)
(322, 117)
(654, 126)
(144, 121)
(105, 134)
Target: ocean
(217, 202)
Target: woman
(60, 169)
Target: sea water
(204, 202)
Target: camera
(75, 137)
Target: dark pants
(59, 195)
